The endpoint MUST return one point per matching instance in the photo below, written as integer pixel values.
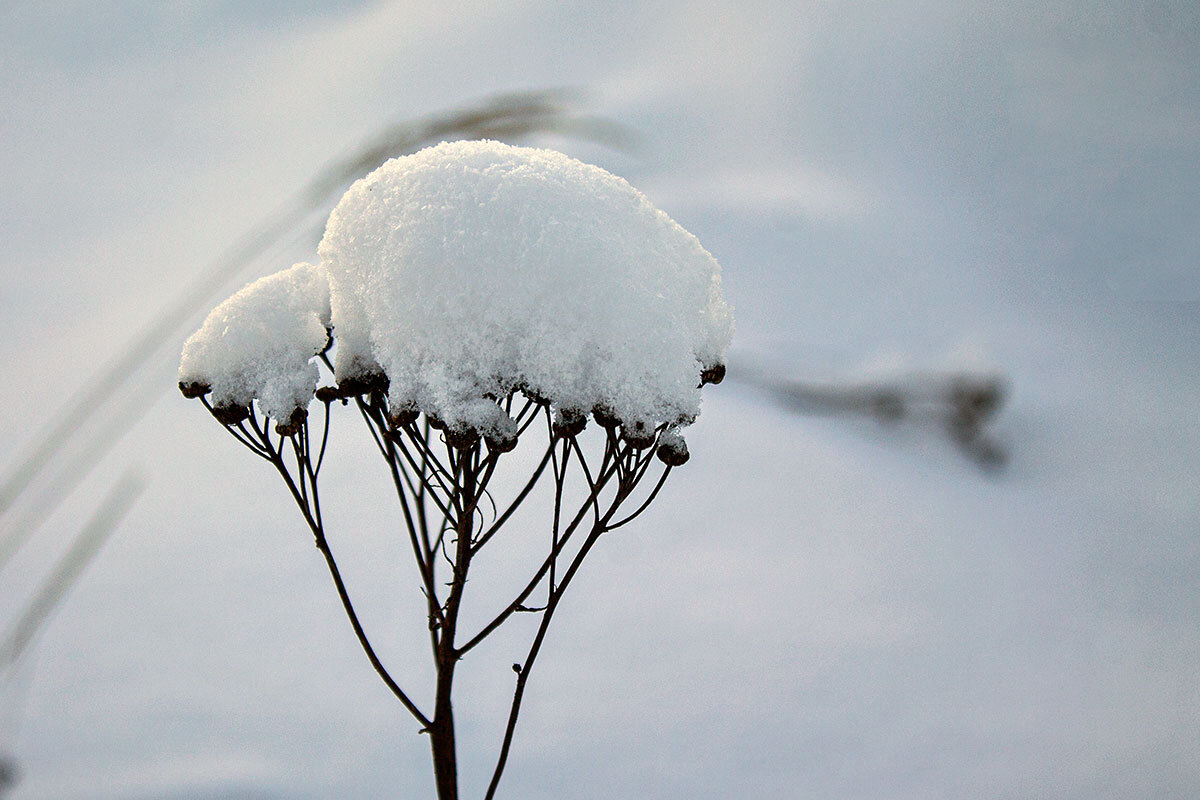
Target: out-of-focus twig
(961, 403)
(8, 774)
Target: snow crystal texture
(472, 269)
(259, 343)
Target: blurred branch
(8, 774)
(961, 403)
(93, 536)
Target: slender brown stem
(457, 484)
(650, 499)
(519, 602)
(318, 532)
(512, 507)
(535, 648)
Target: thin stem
(362, 636)
(560, 475)
(653, 493)
(324, 441)
(519, 602)
(318, 532)
(431, 491)
(512, 507)
(535, 648)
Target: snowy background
(816, 606)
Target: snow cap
(259, 343)
(472, 269)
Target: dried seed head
(365, 383)
(639, 435)
(401, 417)
(537, 397)
(231, 414)
(327, 394)
(193, 389)
(462, 438)
(672, 450)
(713, 374)
(500, 444)
(605, 418)
(435, 422)
(569, 422)
(294, 424)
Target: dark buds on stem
(462, 438)
(327, 394)
(231, 414)
(501, 443)
(605, 418)
(672, 451)
(402, 417)
(294, 424)
(365, 383)
(568, 423)
(193, 389)
(714, 374)
(639, 435)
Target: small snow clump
(259, 343)
(474, 269)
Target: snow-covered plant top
(259, 344)
(472, 269)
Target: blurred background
(826, 601)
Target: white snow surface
(259, 344)
(471, 269)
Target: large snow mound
(472, 269)
(259, 343)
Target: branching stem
(453, 490)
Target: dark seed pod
(672, 451)
(435, 422)
(327, 394)
(401, 417)
(378, 382)
(500, 444)
(605, 418)
(193, 389)
(365, 383)
(462, 438)
(639, 435)
(294, 424)
(532, 395)
(351, 387)
(713, 374)
(569, 423)
(230, 414)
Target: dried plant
(442, 480)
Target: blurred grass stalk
(85, 547)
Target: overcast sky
(815, 607)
